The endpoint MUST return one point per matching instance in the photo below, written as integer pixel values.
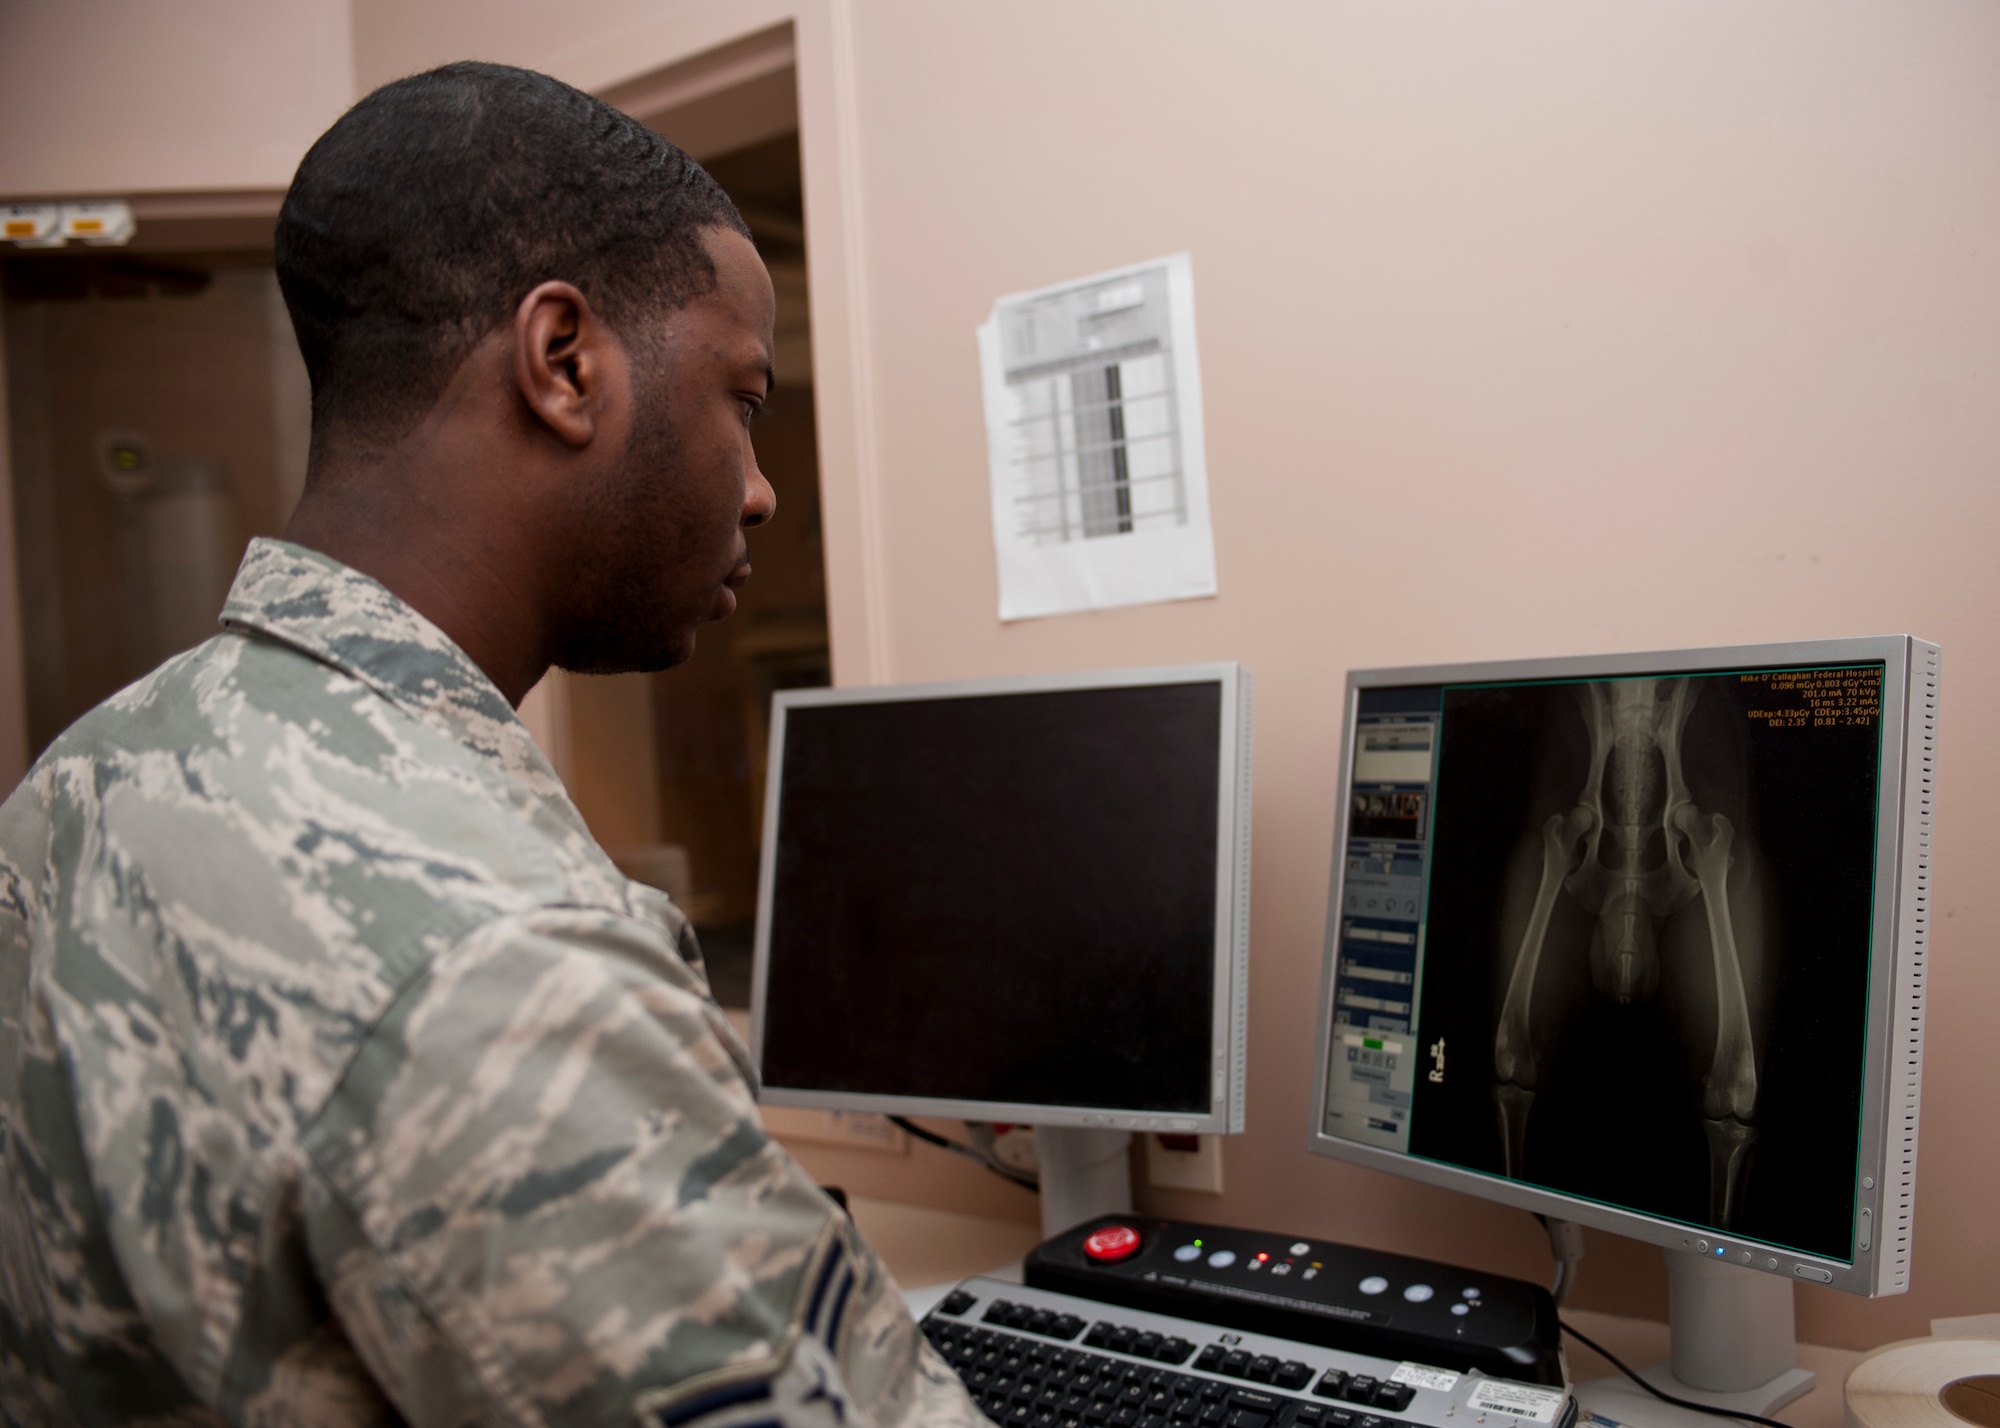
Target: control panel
(1310, 1290)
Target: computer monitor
(1021, 900)
(1637, 942)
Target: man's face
(663, 545)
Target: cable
(1619, 1364)
(1566, 1244)
(910, 1127)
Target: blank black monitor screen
(1002, 898)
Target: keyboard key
(1261, 1369)
(1369, 1420)
(1146, 1345)
(1124, 1416)
(1253, 1398)
(1360, 1389)
(1215, 1412)
(1174, 1351)
(956, 1303)
(1337, 1418)
(1066, 1326)
(1246, 1418)
(1209, 1359)
(1394, 1396)
(1308, 1413)
(1040, 1321)
(1291, 1374)
(1099, 1336)
(1235, 1362)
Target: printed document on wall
(1094, 442)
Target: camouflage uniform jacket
(343, 1079)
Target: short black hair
(418, 222)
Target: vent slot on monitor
(1907, 1068)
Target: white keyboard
(1037, 1359)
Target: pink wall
(130, 96)
(1533, 329)
(1526, 330)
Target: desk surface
(928, 1249)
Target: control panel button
(1111, 1244)
(1187, 1252)
(1471, 1291)
(1418, 1293)
(1301, 1248)
(1374, 1284)
(1222, 1259)
(1814, 1273)
(1461, 1309)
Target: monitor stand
(1732, 1348)
(1084, 1173)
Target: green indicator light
(1197, 1244)
(1371, 1043)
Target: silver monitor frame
(1893, 1064)
(1232, 904)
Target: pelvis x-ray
(1643, 880)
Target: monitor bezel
(1895, 980)
(1224, 1113)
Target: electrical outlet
(1169, 1167)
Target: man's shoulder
(247, 801)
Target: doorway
(669, 769)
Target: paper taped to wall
(1094, 443)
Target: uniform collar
(342, 618)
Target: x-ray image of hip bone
(1653, 871)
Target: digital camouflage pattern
(344, 1080)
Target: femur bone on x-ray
(1656, 865)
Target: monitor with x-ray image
(1637, 942)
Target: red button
(1112, 1243)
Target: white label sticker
(1523, 1400)
(1418, 1376)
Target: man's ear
(563, 361)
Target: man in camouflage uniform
(343, 1080)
